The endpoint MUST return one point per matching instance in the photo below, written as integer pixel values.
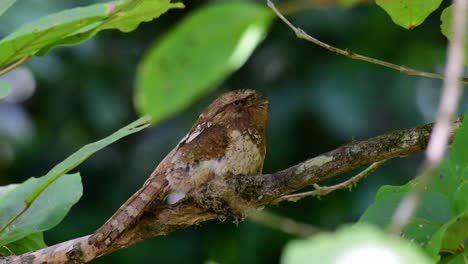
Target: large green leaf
(461, 258)
(134, 12)
(358, 244)
(33, 190)
(33, 36)
(125, 17)
(450, 177)
(409, 13)
(450, 237)
(26, 244)
(46, 212)
(434, 211)
(197, 55)
(5, 4)
(83, 153)
(77, 25)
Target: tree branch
(324, 190)
(249, 191)
(356, 56)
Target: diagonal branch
(250, 191)
(356, 56)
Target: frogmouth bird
(227, 140)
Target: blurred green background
(76, 95)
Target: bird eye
(237, 102)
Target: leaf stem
(15, 65)
(13, 219)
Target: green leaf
(134, 12)
(434, 211)
(450, 237)
(198, 55)
(5, 89)
(446, 27)
(461, 258)
(380, 212)
(82, 154)
(448, 179)
(5, 4)
(42, 184)
(434, 206)
(125, 17)
(33, 36)
(389, 191)
(420, 231)
(455, 170)
(26, 244)
(357, 244)
(46, 212)
(76, 25)
(409, 13)
(461, 198)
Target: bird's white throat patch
(242, 155)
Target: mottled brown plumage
(228, 139)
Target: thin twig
(292, 7)
(437, 146)
(15, 65)
(324, 190)
(350, 54)
(283, 224)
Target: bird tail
(129, 213)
